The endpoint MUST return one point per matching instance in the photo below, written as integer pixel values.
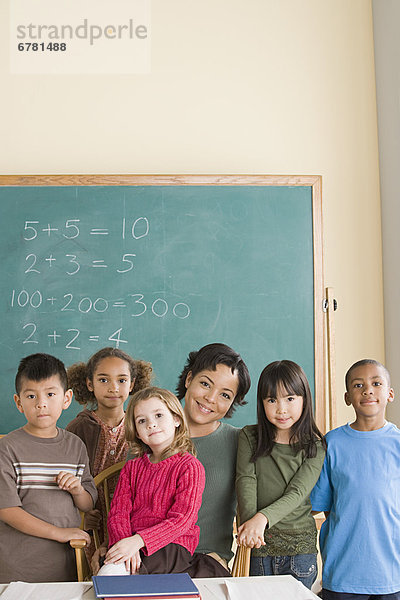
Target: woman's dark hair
(208, 358)
(285, 376)
(140, 371)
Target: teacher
(212, 384)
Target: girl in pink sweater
(152, 520)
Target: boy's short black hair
(209, 357)
(366, 361)
(37, 367)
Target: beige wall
(387, 53)
(237, 86)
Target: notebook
(194, 597)
(161, 586)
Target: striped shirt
(28, 467)
(42, 475)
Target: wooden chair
(241, 562)
(101, 480)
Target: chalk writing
(71, 255)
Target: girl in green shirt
(279, 462)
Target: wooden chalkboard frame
(313, 181)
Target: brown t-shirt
(28, 465)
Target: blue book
(173, 584)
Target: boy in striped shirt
(44, 479)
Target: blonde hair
(181, 443)
(140, 371)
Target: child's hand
(69, 483)
(126, 550)
(92, 519)
(65, 534)
(251, 533)
(136, 561)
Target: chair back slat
(101, 480)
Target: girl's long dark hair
(288, 377)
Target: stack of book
(174, 586)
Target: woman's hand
(92, 519)
(251, 533)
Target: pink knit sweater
(159, 501)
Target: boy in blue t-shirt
(359, 488)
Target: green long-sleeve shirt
(217, 452)
(279, 487)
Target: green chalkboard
(160, 266)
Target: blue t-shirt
(360, 486)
